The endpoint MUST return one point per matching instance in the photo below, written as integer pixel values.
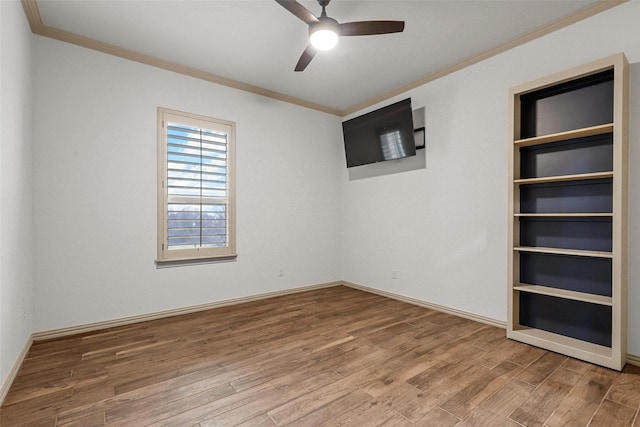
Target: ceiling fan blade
(305, 58)
(298, 10)
(366, 28)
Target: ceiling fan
(324, 31)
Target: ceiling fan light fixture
(324, 31)
(324, 36)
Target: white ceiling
(258, 42)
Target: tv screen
(384, 134)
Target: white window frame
(165, 254)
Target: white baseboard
(633, 360)
(91, 327)
(6, 384)
(455, 312)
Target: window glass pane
(196, 225)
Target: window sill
(195, 261)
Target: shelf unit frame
(613, 357)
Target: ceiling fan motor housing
(325, 23)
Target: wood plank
(31, 422)
(612, 414)
(371, 414)
(42, 391)
(344, 405)
(303, 405)
(211, 376)
(539, 370)
(159, 407)
(494, 410)
(513, 351)
(487, 337)
(626, 389)
(95, 419)
(439, 417)
(249, 403)
(582, 402)
(546, 398)
(467, 399)
(262, 420)
(42, 408)
(407, 400)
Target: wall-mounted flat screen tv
(384, 134)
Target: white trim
(91, 327)
(13, 373)
(453, 311)
(633, 360)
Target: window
(196, 200)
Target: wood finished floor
(334, 357)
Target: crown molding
(584, 13)
(38, 27)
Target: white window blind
(197, 187)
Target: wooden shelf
(558, 251)
(560, 178)
(564, 136)
(563, 293)
(564, 215)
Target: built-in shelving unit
(568, 145)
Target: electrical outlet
(281, 272)
(394, 274)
